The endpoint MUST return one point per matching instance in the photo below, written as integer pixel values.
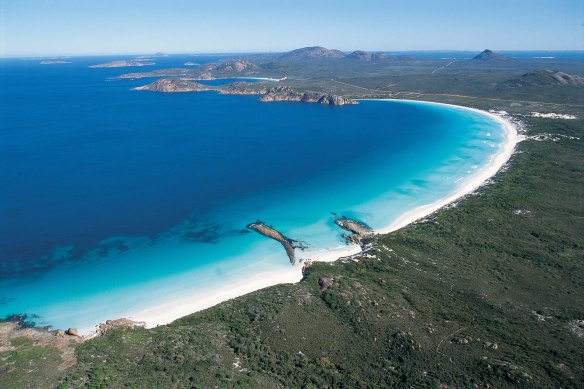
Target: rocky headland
(284, 93)
(357, 229)
(266, 93)
(12, 335)
(270, 232)
(173, 85)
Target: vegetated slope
(486, 293)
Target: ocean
(114, 201)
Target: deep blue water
(108, 191)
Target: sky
(84, 27)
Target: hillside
(546, 77)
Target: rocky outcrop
(357, 229)
(270, 232)
(325, 282)
(123, 63)
(118, 323)
(72, 331)
(284, 93)
(173, 85)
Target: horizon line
(152, 53)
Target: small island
(53, 62)
(123, 63)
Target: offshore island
(472, 289)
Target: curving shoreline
(470, 183)
(168, 312)
(256, 271)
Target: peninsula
(266, 93)
(124, 63)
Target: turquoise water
(115, 200)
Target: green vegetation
(27, 365)
(479, 294)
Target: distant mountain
(365, 56)
(309, 53)
(545, 77)
(488, 55)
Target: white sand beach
(467, 184)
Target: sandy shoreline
(468, 184)
(168, 312)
